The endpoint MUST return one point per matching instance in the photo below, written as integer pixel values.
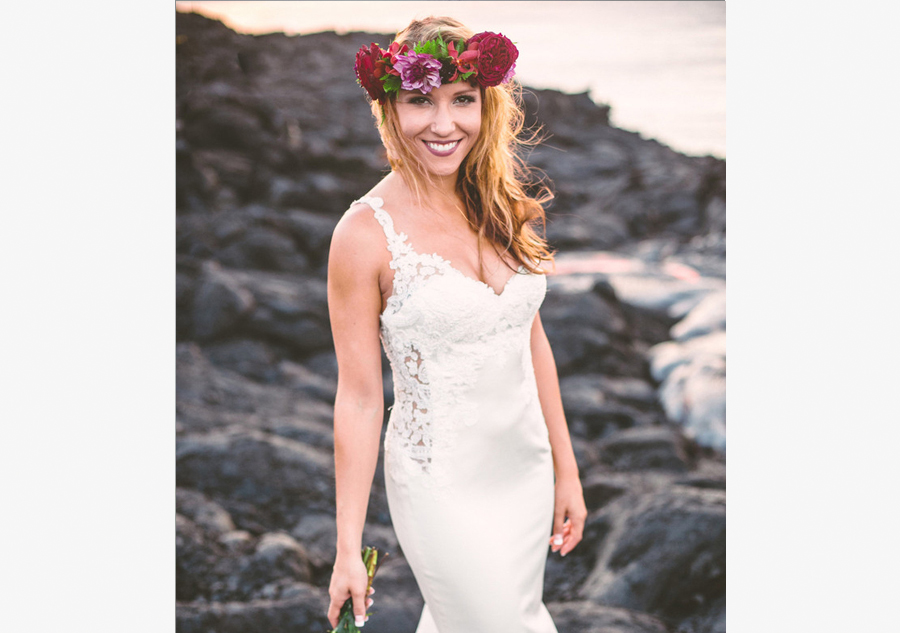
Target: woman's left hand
(569, 516)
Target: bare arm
(354, 303)
(570, 511)
(551, 402)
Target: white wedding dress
(469, 471)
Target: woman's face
(442, 125)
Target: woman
(421, 266)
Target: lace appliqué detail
(437, 329)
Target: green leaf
(391, 83)
(426, 48)
(437, 48)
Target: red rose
(496, 58)
(368, 70)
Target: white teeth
(442, 147)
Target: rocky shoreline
(274, 140)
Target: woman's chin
(442, 171)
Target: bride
(440, 264)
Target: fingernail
(562, 554)
(370, 602)
(371, 590)
(360, 621)
(557, 540)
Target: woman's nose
(442, 123)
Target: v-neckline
(378, 202)
(450, 266)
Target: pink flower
(391, 54)
(465, 62)
(418, 72)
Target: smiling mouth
(441, 149)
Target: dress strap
(396, 242)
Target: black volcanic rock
(587, 617)
(647, 448)
(303, 610)
(666, 554)
(260, 478)
(219, 303)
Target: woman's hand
(349, 580)
(569, 515)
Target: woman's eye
(418, 100)
(466, 99)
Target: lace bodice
(438, 329)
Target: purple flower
(418, 72)
(509, 74)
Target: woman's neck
(439, 189)
(445, 187)
(439, 196)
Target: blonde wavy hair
(493, 179)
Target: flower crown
(486, 58)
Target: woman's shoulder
(356, 228)
(384, 194)
(360, 215)
(358, 238)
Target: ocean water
(660, 65)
